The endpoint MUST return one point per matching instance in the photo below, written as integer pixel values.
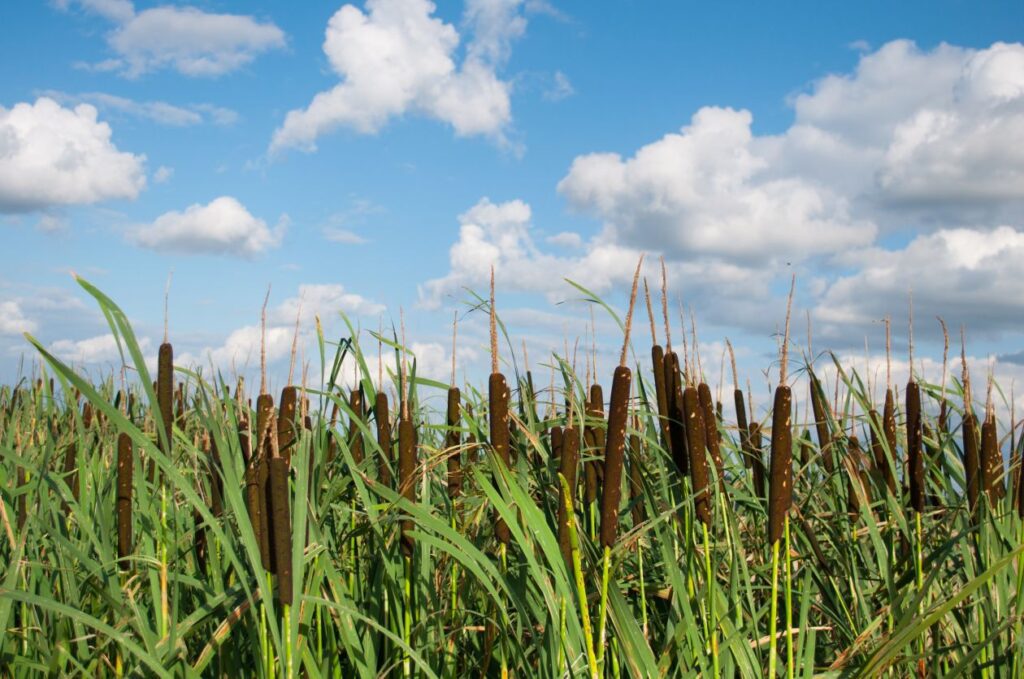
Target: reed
(125, 470)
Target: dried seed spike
(574, 348)
(687, 368)
(494, 328)
(810, 350)
(696, 347)
(945, 355)
(910, 333)
(650, 312)
(785, 333)
(965, 373)
(380, 353)
(593, 342)
(263, 344)
(732, 362)
(664, 307)
(526, 358)
(167, 296)
(295, 342)
(629, 314)
(989, 407)
(888, 352)
(455, 330)
(721, 375)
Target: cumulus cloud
(186, 39)
(969, 276)
(397, 57)
(936, 130)
(705, 191)
(13, 320)
(325, 301)
(163, 174)
(99, 349)
(51, 155)
(222, 227)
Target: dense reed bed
(168, 526)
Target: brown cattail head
(165, 394)
(992, 460)
(780, 483)
(380, 415)
(406, 476)
(556, 436)
(676, 418)
(567, 468)
(125, 465)
(661, 395)
(614, 454)
(497, 390)
(915, 453)
(743, 426)
(711, 440)
(264, 434)
(453, 442)
(889, 432)
(696, 444)
(280, 516)
(286, 431)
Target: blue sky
(866, 147)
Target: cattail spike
(664, 307)
(629, 314)
(650, 312)
(494, 328)
(263, 344)
(785, 333)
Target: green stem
(773, 619)
(790, 662)
(603, 610)
(710, 585)
(577, 569)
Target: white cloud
(159, 112)
(706, 191)
(939, 130)
(51, 223)
(500, 234)
(99, 349)
(50, 155)
(969, 276)
(13, 320)
(222, 227)
(398, 57)
(163, 174)
(189, 40)
(566, 239)
(325, 301)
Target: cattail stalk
(125, 465)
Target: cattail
(498, 402)
(125, 464)
(889, 433)
(286, 432)
(969, 429)
(992, 460)
(452, 444)
(406, 476)
(594, 439)
(71, 473)
(676, 418)
(556, 437)
(261, 520)
(281, 521)
(780, 481)
(355, 432)
(858, 486)
(165, 394)
(780, 485)
(615, 445)
(914, 445)
(380, 414)
(696, 442)
(711, 431)
(216, 479)
(741, 410)
(567, 468)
